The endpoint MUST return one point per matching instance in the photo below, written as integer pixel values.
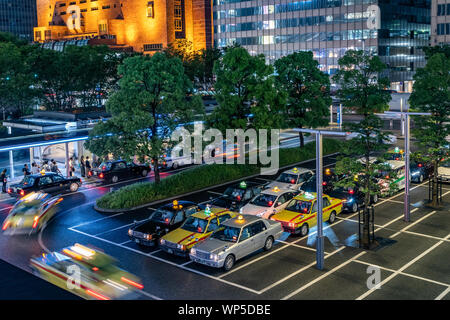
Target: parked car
(352, 198)
(236, 239)
(444, 170)
(237, 195)
(47, 182)
(291, 179)
(329, 177)
(163, 220)
(114, 171)
(420, 171)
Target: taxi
(30, 213)
(392, 180)
(291, 179)
(301, 213)
(395, 154)
(197, 228)
(88, 273)
(269, 202)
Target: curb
(101, 210)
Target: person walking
(87, 163)
(34, 168)
(54, 167)
(82, 167)
(4, 180)
(26, 170)
(71, 167)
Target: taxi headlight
(181, 247)
(130, 232)
(213, 257)
(415, 173)
(193, 251)
(162, 241)
(148, 236)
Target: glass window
(191, 210)
(224, 218)
(58, 178)
(326, 202)
(150, 10)
(213, 225)
(45, 181)
(179, 217)
(246, 233)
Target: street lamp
(406, 127)
(319, 187)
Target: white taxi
(291, 179)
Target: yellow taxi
(301, 213)
(197, 228)
(88, 273)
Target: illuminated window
(150, 10)
(177, 11)
(178, 25)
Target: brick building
(141, 25)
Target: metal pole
(331, 114)
(407, 178)
(11, 164)
(340, 116)
(403, 120)
(319, 239)
(67, 160)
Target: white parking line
(299, 246)
(367, 293)
(443, 294)
(128, 241)
(412, 224)
(165, 261)
(92, 221)
(121, 227)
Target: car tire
(375, 198)
(332, 217)
(354, 207)
(268, 245)
(114, 179)
(304, 230)
(229, 262)
(144, 173)
(421, 178)
(73, 187)
(175, 166)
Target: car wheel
(354, 207)
(304, 230)
(74, 187)
(229, 262)
(114, 179)
(269, 244)
(175, 166)
(375, 198)
(332, 217)
(144, 173)
(421, 178)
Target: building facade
(18, 17)
(440, 22)
(329, 28)
(142, 25)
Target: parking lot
(413, 261)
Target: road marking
(300, 246)
(165, 261)
(121, 227)
(403, 273)
(150, 295)
(298, 271)
(367, 293)
(92, 221)
(443, 294)
(218, 193)
(183, 264)
(322, 277)
(128, 241)
(412, 224)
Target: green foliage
(431, 94)
(151, 102)
(245, 85)
(308, 91)
(201, 177)
(362, 90)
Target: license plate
(169, 250)
(136, 240)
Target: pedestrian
(87, 163)
(34, 168)
(71, 167)
(54, 167)
(82, 167)
(46, 166)
(4, 180)
(25, 170)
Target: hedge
(201, 177)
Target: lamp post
(406, 130)
(319, 187)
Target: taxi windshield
(234, 192)
(28, 181)
(287, 178)
(299, 206)
(105, 166)
(264, 200)
(229, 234)
(195, 224)
(26, 207)
(163, 216)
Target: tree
(308, 91)
(17, 91)
(151, 101)
(431, 94)
(245, 85)
(362, 90)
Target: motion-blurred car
(237, 195)
(163, 220)
(88, 273)
(31, 213)
(197, 228)
(269, 202)
(238, 238)
(114, 171)
(47, 182)
(291, 179)
(174, 162)
(444, 170)
(301, 213)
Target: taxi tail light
(420, 165)
(324, 183)
(6, 225)
(270, 203)
(292, 181)
(133, 283)
(35, 221)
(166, 220)
(305, 210)
(103, 168)
(96, 295)
(238, 198)
(22, 193)
(9, 190)
(351, 191)
(397, 159)
(101, 175)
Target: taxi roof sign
(295, 169)
(243, 185)
(276, 189)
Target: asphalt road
(414, 263)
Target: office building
(440, 22)
(18, 17)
